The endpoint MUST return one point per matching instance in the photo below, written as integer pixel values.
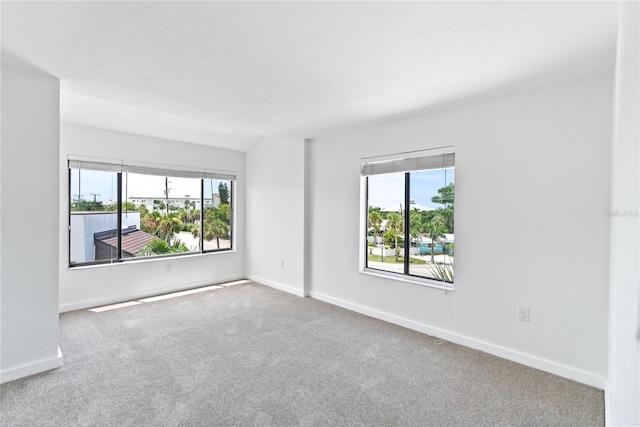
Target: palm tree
(435, 230)
(143, 210)
(183, 215)
(375, 220)
(169, 225)
(417, 228)
(195, 232)
(219, 229)
(194, 215)
(395, 224)
(150, 223)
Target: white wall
(28, 212)
(275, 214)
(623, 390)
(532, 168)
(82, 287)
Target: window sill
(146, 260)
(414, 280)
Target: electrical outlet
(282, 263)
(523, 313)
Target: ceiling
(230, 73)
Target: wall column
(29, 213)
(623, 387)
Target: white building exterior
(85, 224)
(176, 202)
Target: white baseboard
(276, 285)
(607, 404)
(107, 300)
(31, 368)
(496, 350)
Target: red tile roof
(132, 242)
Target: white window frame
(122, 166)
(398, 158)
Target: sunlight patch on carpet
(181, 293)
(237, 282)
(114, 306)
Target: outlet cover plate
(523, 313)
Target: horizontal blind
(152, 170)
(408, 164)
(229, 176)
(96, 166)
(181, 173)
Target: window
(217, 214)
(121, 211)
(409, 215)
(89, 214)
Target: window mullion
(202, 216)
(366, 231)
(119, 219)
(407, 235)
(70, 204)
(232, 205)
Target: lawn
(392, 259)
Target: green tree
(374, 209)
(195, 232)
(194, 215)
(435, 230)
(84, 205)
(416, 225)
(447, 216)
(395, 224)
(183, 215)
(151, 222)
(126, 207)
(445, 195)
(216, 230)
(216, 223)
(446, 198)
(224, 213)
(169, 225)
(223, 193)
(375, 221)
(143, 211)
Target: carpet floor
(251, 355)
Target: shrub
(442, 272)
(161, 247)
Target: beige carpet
(252, 355)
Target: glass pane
(385, 234)
(161, 215)
(93, 216)
(217, 214)
(431, 224)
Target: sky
(388, 190)
(384, 190)
(104, 186)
